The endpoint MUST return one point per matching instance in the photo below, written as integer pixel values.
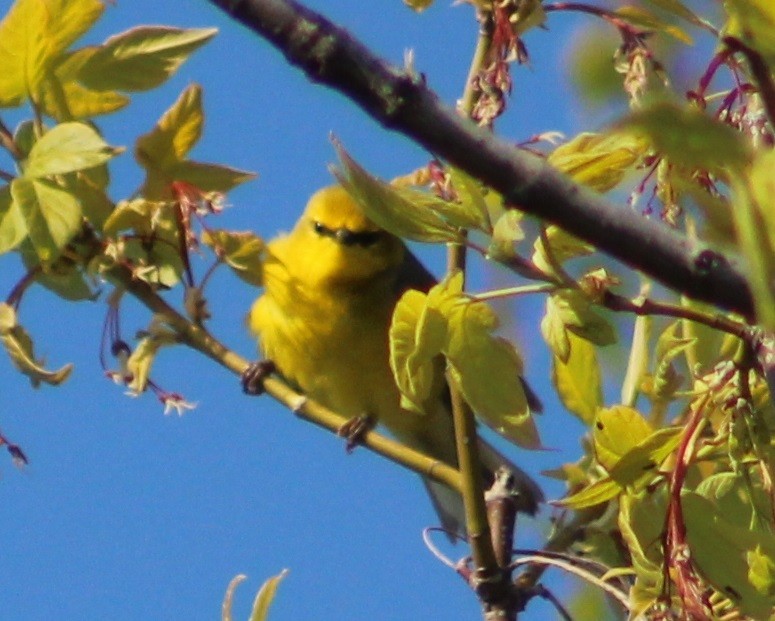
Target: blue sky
(125, 513)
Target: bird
(330, 287)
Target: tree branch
(401, 101)
(198, 338)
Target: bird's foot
(253, 377)
(354, 430)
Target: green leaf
(680, 10)
(404, 212)
(243, 252)
(52, 215)
(13, 228)
(506, 233)
(137, 214)
(141, 58)
(67, 148)
(599, 161)
(63, 276)
(142, 358)
(265, 597)
(19, 346)
(666, 379)
(688, 137)
(418, 5)
(578, 380)
(728, 555)
(68, 101)
(554, 331)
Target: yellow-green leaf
(243, 252)
(488, 370)
(265, 597)
(617, 431)
(637, 365)
(640, 463)
(599, 161)
(65, 148)
(402, 211)
(19, 346)
(13, 228)
(578, 380)
(52, 215)
(688, 137)
(137, 214)
(554, 331)
(417, 334)
(597, 493)
(562, 246)
(209, 177)
(67, 101)
(506, 233)
(574, 310)
(472, 196)
(141, 58)
(176, 132)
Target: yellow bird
(331, 285)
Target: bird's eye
(320, 228)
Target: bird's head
(341, 245)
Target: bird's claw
(253, 377)
(354, 430)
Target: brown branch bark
(401, 101)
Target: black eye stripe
(347, 237)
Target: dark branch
(401, 101)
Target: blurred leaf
(19, 346)
(554, 331)
(52, 215)
(65, 148)
(752, 22)
(669, 346)
(418, 5)
(640, 17)
(598, 160)
(63, 276)
(402, 211)
(679, 9)
(243, 252)
(578, 380)
(13, 228)
(265, 597)
(572, 308)
(141, 58)
(590, 66)
(137, 214)
(688, 137)
(755, 226)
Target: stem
(514, 291)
